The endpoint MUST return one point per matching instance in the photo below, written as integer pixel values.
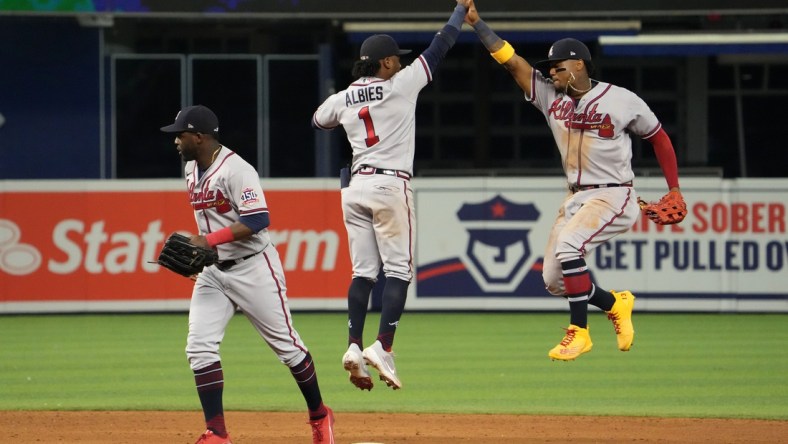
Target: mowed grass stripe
(693, 365)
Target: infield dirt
(134, 427)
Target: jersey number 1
(372, 138)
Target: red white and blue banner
(82, 246)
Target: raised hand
(472, 16)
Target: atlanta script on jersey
(228, 189)
(596, 129)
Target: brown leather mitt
(671, 209)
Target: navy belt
(230, 263)
(574, 188)
(368, 171)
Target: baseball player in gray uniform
(232, 217)
(377, 112)
(592, 124)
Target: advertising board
(69, 246)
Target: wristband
(504, 54)
(220, 237)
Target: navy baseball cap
(380, 46)
(194, 119)
(566, 49)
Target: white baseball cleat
(383, 361)
(353, 361)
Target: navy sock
(602, 299)
(305, 376)
(357, 303)
(394, 294)
(210, 386)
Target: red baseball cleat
(323, 429)
(212, 438)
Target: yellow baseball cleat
(621, 316)
(576, 342)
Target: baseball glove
(185, 258)
(671, 209)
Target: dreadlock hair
(365, 68)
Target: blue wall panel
(49, 96)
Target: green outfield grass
(693, 365)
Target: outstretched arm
(445, 38)
(500, 49)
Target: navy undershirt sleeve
(444, 39)
(256, 222)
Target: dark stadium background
(83, 92)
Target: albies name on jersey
(363, 95)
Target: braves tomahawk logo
(497, 260)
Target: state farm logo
(16, 258)
(78, 246)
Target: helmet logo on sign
(496, 259)
(498, 247)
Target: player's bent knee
(568, 254)
(403, 276)
(554, 282)
(291, 358)
(201, 360)
(566, 250)
(555, 289)
(202, 354)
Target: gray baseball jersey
(593, 136)
(379, 117)
(250, 275)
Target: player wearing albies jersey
(592, 123)
(232, 217)
(377, 112)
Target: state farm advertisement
(97, 242)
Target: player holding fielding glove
(592, 123)
(377, 112)
(232, 217)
